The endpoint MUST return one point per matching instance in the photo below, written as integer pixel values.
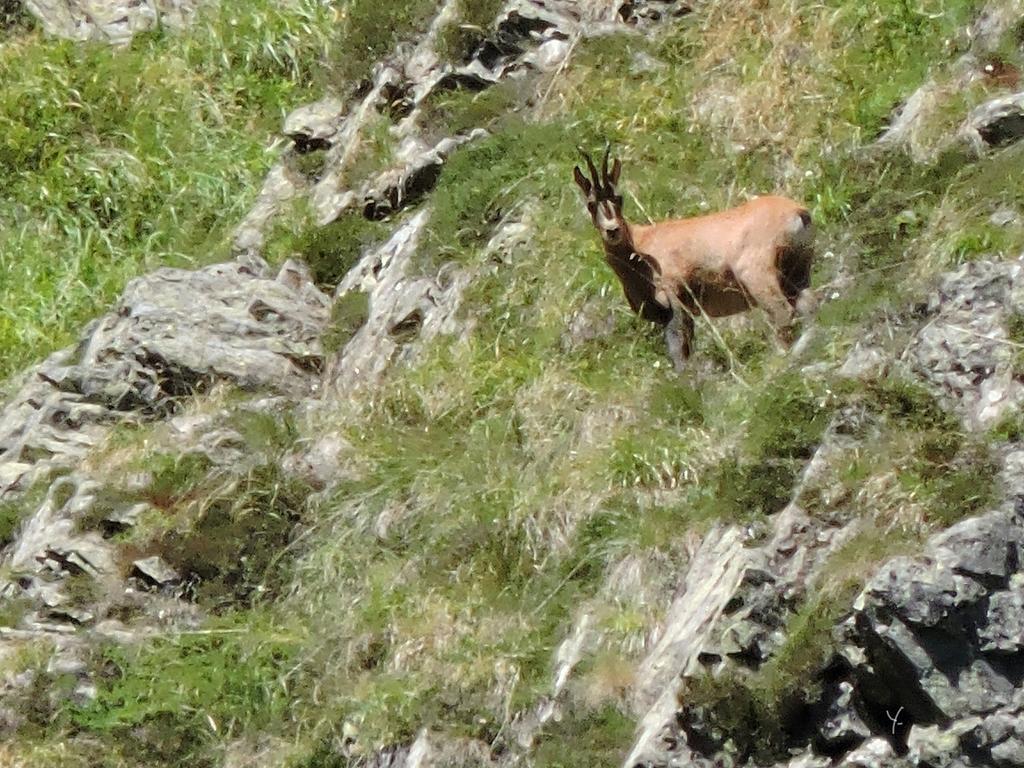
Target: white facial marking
(608, 222)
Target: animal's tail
(795, 258)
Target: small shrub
(11, 515)
(369, 32)
(330, 251)
(738, 490)
(234, 552)
(175, 478)
(761, 715)
(909, 405)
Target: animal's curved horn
(604, 167)
(593, 170)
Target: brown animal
(757, 254)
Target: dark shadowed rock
(995, 123)
(933, 633)
(155, 571)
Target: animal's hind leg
(795, 266)
(764, 288)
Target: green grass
(169, 701)
(118, 161)
(496, 487)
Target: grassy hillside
(515, 479)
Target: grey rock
(404, 312)
(926, 620)
(843, 725)
(49, 542)
(280, 186)
(993, 21)
(155, 570)
(550, 55)
(396, 188)
(986, 547)
(126, 517)
(320, 463)
(1004, 217)
(713, 576)
(729, 583)
(592, 321)
(935, 746)
(76, 616)
(962, 349)
(864, 363)
(113, 21)
(312, 126)
(1004, 628)
(1009, 753)
(173, 332)
(871, 754)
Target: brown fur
(756, 254)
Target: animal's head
(603, 203)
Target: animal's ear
(582, 181)
(613, 177)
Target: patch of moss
(461, 110)
(955, 482)
(787, 420)
(348, 314)
(909, 405)
(331, 250)
(583, 738)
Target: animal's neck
(636, 276)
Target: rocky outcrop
(172, 333)
(911, 124)
(732, 607)
(401, 307)
(995, 123)
(965, 349)
(936, 643)
(112, 21)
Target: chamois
(756, 254)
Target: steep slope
(438, 499)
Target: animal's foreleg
(679, 336)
